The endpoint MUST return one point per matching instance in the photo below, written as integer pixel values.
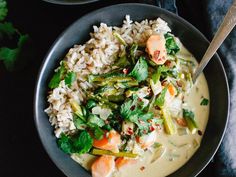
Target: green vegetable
(70, 78)
(189, 78)
(95, 120)
(79, 123)
(80, 143)
(133, 50)
(65, 143)
(122, 62)
(124, 85)
(57, 77)
(156, 75)
(76, 108)
(160, 100)
(107, 127)
(133, 111)
(119, 38)
(109, 81)
(185, 61)
(116, 98)
(104, 102)
(98, 133)
(189, 117)
(3, 10)
(83, 143)
(204, 102)
(107, 91)
(168, 122)
(171, 46)
(90, 104)
(140, 70)
(119, 154)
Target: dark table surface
(21, 152)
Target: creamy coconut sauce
(175, 150)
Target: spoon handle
(225, 28)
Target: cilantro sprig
(133, 111)
(8, 32)
(80, 143)
(3, 9)
(171, 46)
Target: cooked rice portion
(95, 57)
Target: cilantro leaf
(79, 123)
(140, 70)
(156, 76)
(131, 111)
(83, 143)
(7, 28)
(65, 144)
(204, 102)
(70, 78)
(56, 79)
(188, 114)
(94, 120)
(3, 10)
(80, 144)
(161, 98)
(171, 46)
(9, 56)
(98, 133)
(189, 117)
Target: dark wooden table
(21, 152)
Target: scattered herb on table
(8, 32)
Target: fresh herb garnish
(188, 114)
(140, 70)
(204, 102)
(156, 76)
(98, 133)
(95, 120)
(133, 111)
(83, 143)
(189, 117)
(171, 46)
(80, 144)
(90, 104)
(66, 144)
(160, 100)
(57, 77)
(79, 123)
(70, 78)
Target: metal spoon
(225, 28)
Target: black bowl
(78, 32)
(70, 2)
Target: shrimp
(156, 48)
(148, 140)
(103, 166)
(110, 141)
(122, 162)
